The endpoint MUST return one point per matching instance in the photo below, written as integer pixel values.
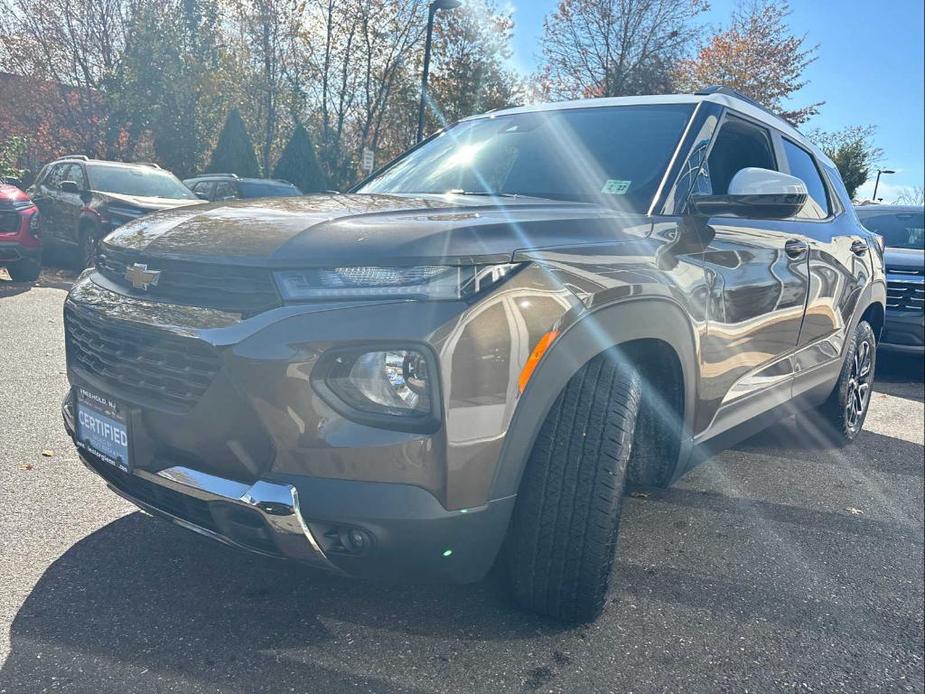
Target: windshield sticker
(615, 187)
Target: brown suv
(470, 356)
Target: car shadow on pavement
(901, 375)
(147, 595)
(52, 277)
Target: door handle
(795, 248)
(859, 247)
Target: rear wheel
(24, 270)
(843, 414)
(563, 537)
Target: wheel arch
(875, 314)
(629, 321)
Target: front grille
(905, 289)
(141, 362)
(9, 222)
(226, 287)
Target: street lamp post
(431, 11)
(877, 182)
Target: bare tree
(912, 195)
(269, 31)
(469, 74)
(615, 47)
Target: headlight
(394, 388)
(34, 225)
(441, 282)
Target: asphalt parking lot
(777, 566)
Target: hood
(146, 203)
(325, 230)
(913, 258)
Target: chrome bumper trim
(277, 504)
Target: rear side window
(739, 145)
(803, 166)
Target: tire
(560, 548)
(842, 415)
(24, 270)
(86, 248)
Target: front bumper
(904, 332)
(406, 533)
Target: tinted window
(74, 172)
(898, 229)
(224, 191)
(202, 188)
(803, 166)
(142, 181)
(265, 189)
(738, 145)
(56, 175)
(609, 155)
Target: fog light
(394, 382)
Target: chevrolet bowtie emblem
(141, 277)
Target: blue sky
(870, 70)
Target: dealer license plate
(102, 428)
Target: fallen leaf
(48, 453)
(27, 466)
(854, 511)
(639, 495)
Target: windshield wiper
(487, 193)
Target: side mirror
(756, 193)
(202, 196)
(70, 187)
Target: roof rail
(214, 175)
(146, 163)
(729, 91)
(82, 157)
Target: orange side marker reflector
(535, 357)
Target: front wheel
(843, 414)
(560, 548)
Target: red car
(20, 247)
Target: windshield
(142, 181)
(262, 189)
(611, 155)
(898, 229)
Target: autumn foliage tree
(597, 48)
(758, 56)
